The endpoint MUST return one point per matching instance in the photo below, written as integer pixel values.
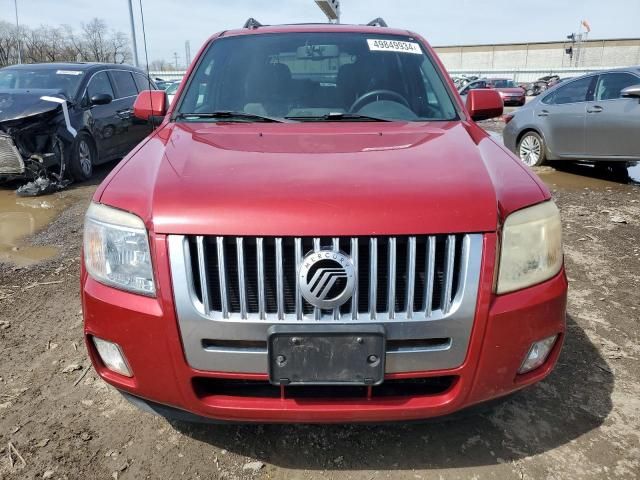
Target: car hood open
(320, 179)
(18, 104)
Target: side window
(142, 82)
(610, 85)
(125, 86)
(573, 92)
(99, 84)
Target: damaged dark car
(57, 121)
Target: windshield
(317, 77)
(64, 80)
(503, 83)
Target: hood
(319, 179)
(18, 104)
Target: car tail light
(507, 118)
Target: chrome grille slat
(298, 254)
(241, 283)
(317, 313)
(335, 243)
(373, 277)
(429, 275)
(222, 275)
(391, 288)
(262, 312)
(354, 298)
(411, 276)
(279, 279)
(398, 278)
(448, 272)
(202, 270)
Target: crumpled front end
(33, 144)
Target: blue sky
(444, 22)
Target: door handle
(543, 113)
(595, 109)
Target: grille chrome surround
(11, 162)
(442, 276)
(452, 261)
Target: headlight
(116, 249)
(531, 249)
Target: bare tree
(94, 43)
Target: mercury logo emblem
(327, 278)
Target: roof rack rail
(252, 23)
(377, 22)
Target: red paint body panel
(321, 179)
(147, 331)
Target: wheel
(531, 149)
(83, 156)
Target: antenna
(146, 56)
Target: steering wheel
(369, 96)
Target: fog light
(112, 356)
(537, 355)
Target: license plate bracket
(326, 354)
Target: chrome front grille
(403, 278)
(11, 162)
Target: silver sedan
(591, 118)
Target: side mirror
(100, 99)
(484, 103)
(631, 92)
(150, 103)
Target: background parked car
(476, 84)
(61, 119)
(593, 118)
(171, 90)
(533, 89)
(510, 93)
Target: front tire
(83, 157)
(531, 149)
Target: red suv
(317, 231)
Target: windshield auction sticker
(68, 72)
(393, 46)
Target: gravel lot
(59, 420)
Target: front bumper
(148, 333)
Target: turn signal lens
(112, 356)
(537, 355)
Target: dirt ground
(582, 422)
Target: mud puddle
(583, 176)
(22, 217)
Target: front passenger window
(611, 84)
(572, 92)
(99, 85)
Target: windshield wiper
(337, 117)
(228, 115)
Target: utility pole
(133, 35)
(15, 4)
(175, 59)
